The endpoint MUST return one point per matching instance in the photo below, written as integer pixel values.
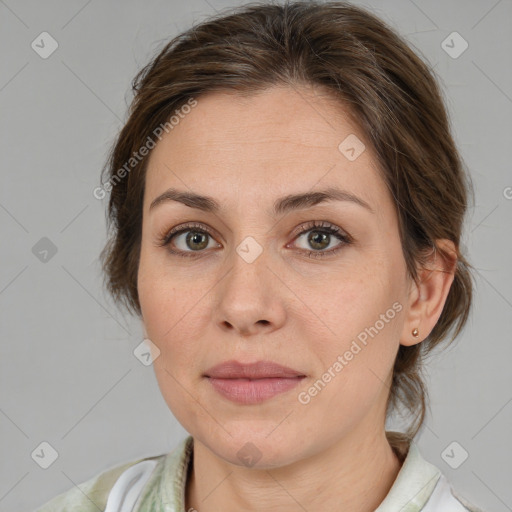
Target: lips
(249, 384)
(259, 370)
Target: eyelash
(322, 227)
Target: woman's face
(246, 289)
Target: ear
(427, 299)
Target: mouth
(253, 391)
(252, 383)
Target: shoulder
(92, 495)
(445, 498)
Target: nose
(249, 299)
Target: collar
(413, 485)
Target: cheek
(173, 319)
(353, 300)
(355, 364)
(361, 319)
(168, 316)
(161, 299)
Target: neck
(354, 474)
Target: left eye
(319, 237)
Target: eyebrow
(282, 205)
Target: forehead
(282, 140)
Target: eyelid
(304, 227)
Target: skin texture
(302, 312)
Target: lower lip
(245, 391)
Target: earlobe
(430, 293)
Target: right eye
(196, 235)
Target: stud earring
(415, 332)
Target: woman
(285, 212)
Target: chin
(255, 448)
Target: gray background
(68, 374)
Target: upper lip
(259, 370)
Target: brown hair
(392, 96)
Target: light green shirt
(157, 484)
